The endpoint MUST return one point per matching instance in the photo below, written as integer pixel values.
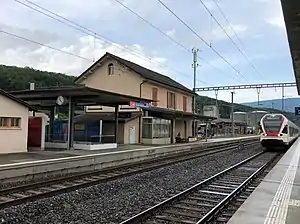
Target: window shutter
(174, 100)
(184, 103)
(154, 96)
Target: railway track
(206, 201)
(37, 190)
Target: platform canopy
(170, 113)
(291, 12)
(81, 95)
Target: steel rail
(148, 213)
(233, 194)
(95, 177)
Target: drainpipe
(140, 117)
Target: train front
(274, 131)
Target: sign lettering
(297, 111)
(140, 105)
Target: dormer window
(111, 69)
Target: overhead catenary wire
(96, 35)
(238, 38)
(226, 33)
(44, 45)
(168, 36)
(202, 39)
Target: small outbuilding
(14, 115)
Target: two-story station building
(169, 114)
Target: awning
(81, 95)
(171, 113)
(291, 12)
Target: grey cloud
(11, 42)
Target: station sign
(140, 105)
(297, 111)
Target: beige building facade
(14, 115)
(171, 108)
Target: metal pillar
(232, 121)
(282, 100)
(70, 124)
(217, 108)
(51, 121)
(255, 117)
(206, 126)
(195, 65)
(216, 94)
(100, 130)
(116, 122)
(141, 111)
(258, 96)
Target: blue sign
(143, 105)
(297, 111)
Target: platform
(42, 164)
(55, 154)
(277, 197)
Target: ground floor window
(10, 122)
(156, 128)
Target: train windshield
(272, 123)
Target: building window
(15, 122)
(10, 122)
(171, 100)
(147, 128)
(154, 96)
(184, 102)
(4, 122)
(111, 69)
(156, 128)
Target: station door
(34, 132)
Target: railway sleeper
(196, 203)
(227, 183)
(203, 199)
(187, 214)
(18, 195)
(5, 199)
(33, 192)
(173, 219)
(188, 208)
(225, 187)
(222, 190)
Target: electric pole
(195, 65)
(232, 121)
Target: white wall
(13, 139)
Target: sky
(239, 42)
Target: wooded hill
(17, 78)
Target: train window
(272, 126)
(285, 130)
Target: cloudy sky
(256, 52)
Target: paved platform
(220, 139)
(55, 154)
(277, 198)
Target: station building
(14, 115)
(170, 112)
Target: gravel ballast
(112, 201)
